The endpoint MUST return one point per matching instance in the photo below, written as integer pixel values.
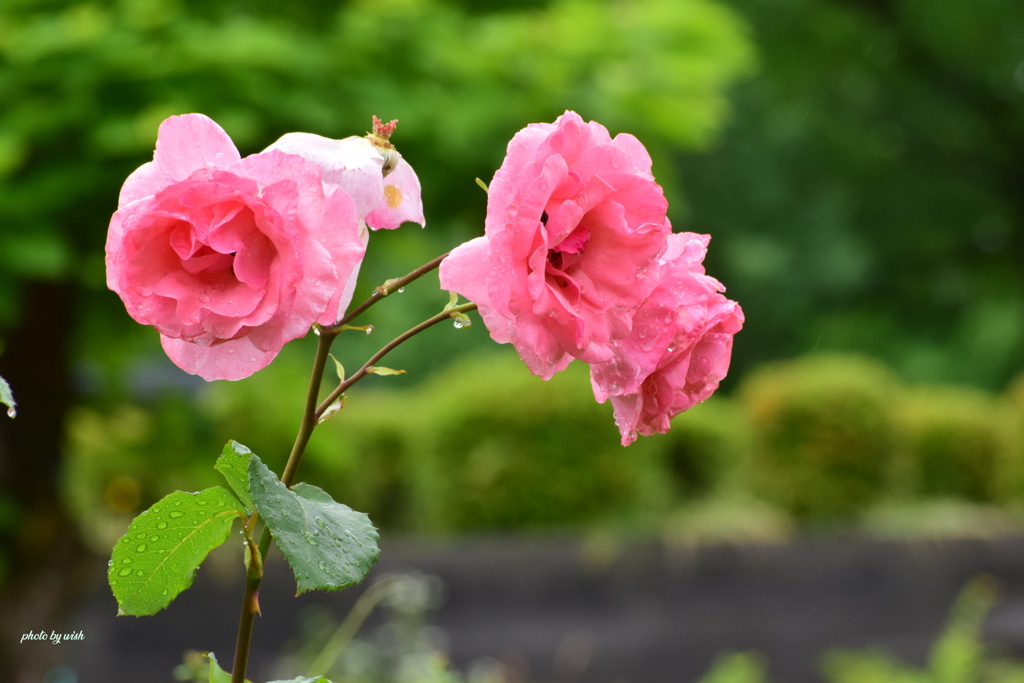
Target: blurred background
(858, 163)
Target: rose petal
(402, 201)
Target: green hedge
(485, 445)
(955, 441)
(825, 433)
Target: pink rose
(574, 222)
(679, 347)
(230, 258)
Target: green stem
(389, 287)
(250, 608)
(447, 314)
(254, 574)
(311, 415)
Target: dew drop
(161, 525)
(141, 548)
(140, 573)
(369, 329)
(124, 572)
(175, 515)
(142, 535)
(311, 540)
(163, 592)
(458, 323)
(154, 538)
(401, 289)
(323, 566)
(320, 522)
(126, 560)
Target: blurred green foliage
(955, 439)
(826, 438)
(482, 445)
(867, 195)
(85, 84)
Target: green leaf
(328, 545)
(7, 398)
(158, 556)
(381, 370)
(300, 679)
(217, 674)
(336, 407)
(233, 463)
(338, 368)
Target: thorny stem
(447, 314)
(250, 608)
(389, 287)
(309, 418)
(254, 572)
(311, 415)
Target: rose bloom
(231, 258)
(679, 347)
(575, 222)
